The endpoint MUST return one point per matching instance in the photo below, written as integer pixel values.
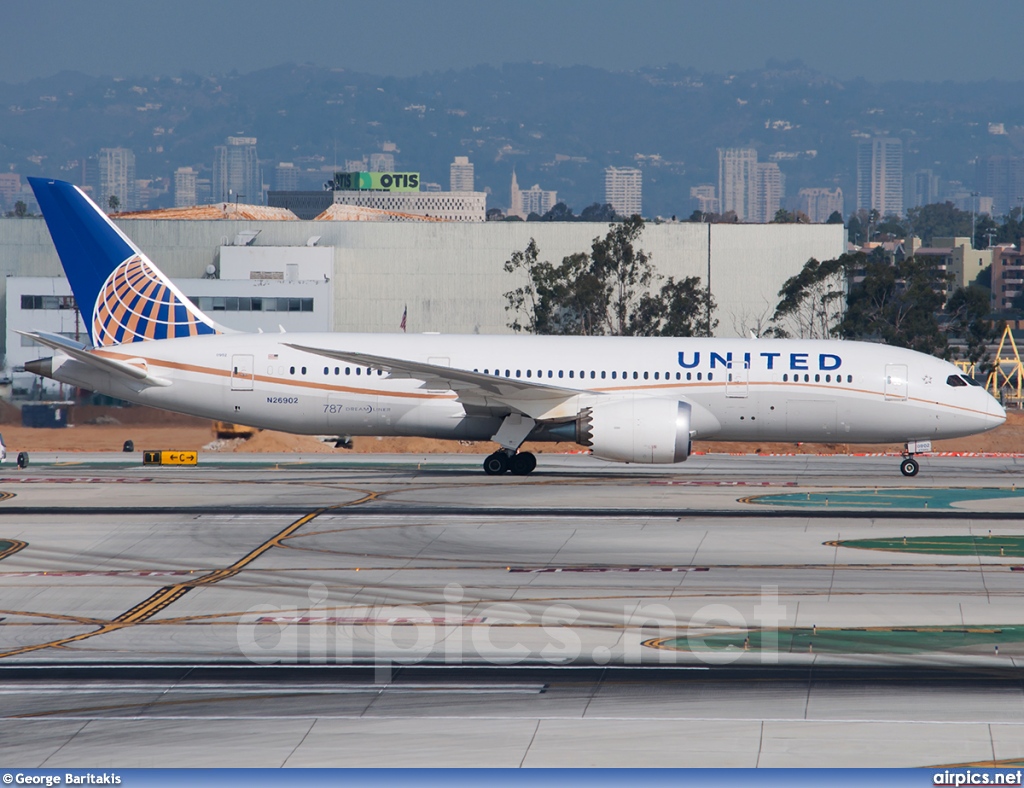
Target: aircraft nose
(995, 410)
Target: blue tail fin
(123, 297)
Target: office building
(819, 204)
(880, 176)
(286, 177)
(623, 190)
(922, 189)
(116, 179)
(533, 200)
(461, 174)
(768, 192)
(704, 198)
(737, 182)
(236, 172)
(185, 187)
(1002, 178)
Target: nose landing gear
(908, 465)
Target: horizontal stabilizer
(76, 350)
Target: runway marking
(1002, 545)
(584, 569)
(906, 498)
(11, 546)
(168, 595)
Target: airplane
(626, 399)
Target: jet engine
(639, 429)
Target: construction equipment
(1005, 381)
(227, 430)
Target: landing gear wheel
(496, 464)
(523, 464)
(909, 466)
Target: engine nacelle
(638, 429)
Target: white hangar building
(448, 274)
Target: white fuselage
(740, 389)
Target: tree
(897, 304)
(811, 302)
(596, 212)
(968, 311)
(782, 216)
(113, 202)
(20, 209)
(938, 220)
(834, 218)
(559, 212)
(610, 291)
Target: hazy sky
(877, 39)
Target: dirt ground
(96, 428)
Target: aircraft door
(736, 381)
(241, 372)
(896, 382)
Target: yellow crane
(1007, 371)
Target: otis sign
(377, 181)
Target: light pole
(974, 212)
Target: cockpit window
(971, 381)
(955, 380)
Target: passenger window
(645, 376)
(614, 373)
(679, 376)
(592, 374)
(636, 375)
(560, 373)
(326, 371)
(359, 370)
(348, 370)
(785, 378)
(807, 378)
(817, 378)
(955, 381)
(849, 378)
(529, 373)
(828, 378)
(655, 375)
(710, 376)
(291, 370)
(303, 370)
(699, 375)
(337, 370)
(508, 374)
(602, 374)
(688, 375)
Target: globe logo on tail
(138, 303)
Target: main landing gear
(501, 462)
(510, 436)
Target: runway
(733, 610)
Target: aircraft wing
(137, 372)
(534, 399)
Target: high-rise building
(10, 185)
(819, 204)
(768, 192)
(922, 189)
(461, 174)
(236, 172)
(737, 182)
(185, 187)
(382, 162)
(286, 177)
(533, 200)
(1002, 179)
(117, 178)
(623, 190)
(880, 175)
(704, 198)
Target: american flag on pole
(405, 314)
